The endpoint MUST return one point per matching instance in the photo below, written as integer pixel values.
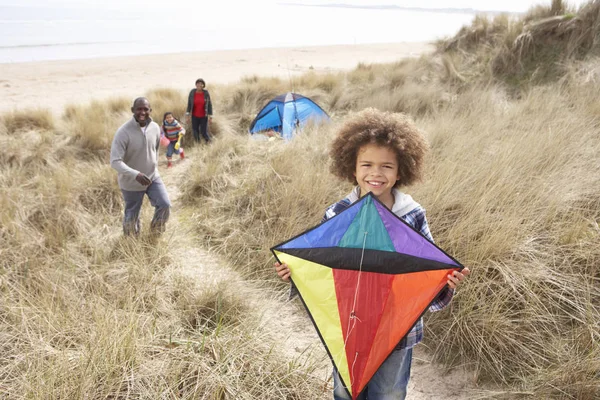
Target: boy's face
(169, 118)
(376, 171)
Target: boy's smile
(377, 172)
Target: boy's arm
(442, 300)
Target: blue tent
(287, 112)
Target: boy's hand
(457, 277)
(283, 271)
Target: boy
(380, 152)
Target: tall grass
(512, 192)
(247, 194)
(85, 313)
(30, 119)
(527, 50)
(93, 126)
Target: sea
(52, 30)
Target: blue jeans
(159, 198)
(389, 382)
(171, 149)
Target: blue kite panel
(328, 234)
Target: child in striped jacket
(172, 130)
(380, 152)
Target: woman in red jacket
(199, 107)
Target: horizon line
(403, 8)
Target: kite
(365, 277)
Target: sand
(54, 84)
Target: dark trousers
(157, 193)
(200, 127)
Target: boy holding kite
(380, 152)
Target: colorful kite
(365, 278)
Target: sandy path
(287, 319)
(53, 84)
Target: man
(134, 154)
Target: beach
(55, 84)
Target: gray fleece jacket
(135, 149)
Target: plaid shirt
(416, 219)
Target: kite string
(352, 317)
(353, 362)
(362, 255)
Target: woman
(200, 108)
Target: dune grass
(17, 121)
(86, 313)
(527, 222)
(528, 50)
(246, 195)
(512, 191)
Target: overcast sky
(180, 6)
(502, 5)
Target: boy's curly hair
(394, 131)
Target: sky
(118, 27)
(483, 5)
(180, 6)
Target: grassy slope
(512, 191)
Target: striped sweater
(172, 130)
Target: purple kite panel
(406, 240)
